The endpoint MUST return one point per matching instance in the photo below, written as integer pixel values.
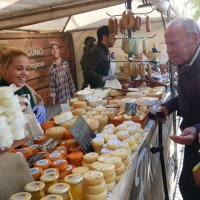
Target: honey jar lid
(53, 196)
(73, 178)
(59, 188)
(21, 196)
(34, 186)
(49, 177)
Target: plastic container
(21, 196)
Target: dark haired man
(97, 66)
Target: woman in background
(14, 70)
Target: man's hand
(186, 137)
(163, 109)
(109, 77)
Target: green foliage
(196, 5)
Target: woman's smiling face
(17, 71)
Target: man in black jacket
(182, 38)
(97, 66)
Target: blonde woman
(14, 70)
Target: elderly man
(182, 38)
(97, 66)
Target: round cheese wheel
(75, 157)
(36, 173)
(109, 137)
(110, 126)
(121, 127)
(122, 134)
(44, 163)
(116, 161)
(78, 111)
(108, 169)
(100, 196)
(130, 140)
(93, 124)
(102, 157)
(56, 132)
(47, 124)
(95, 189)
(113, 144)
(120, 170)
(124, 145)
(79, 104)
(80, 170)
(122, 153)
(105, 150)
(108, 131)
(54, 156)
(26, 152)
(110, 179)
(62, 117)
(93, 177)
(110, 186)
(68, 124)
(126, 162)
(39, 139)
(86, 164)
(133, 147)
(97, 142)
(75, 149)
(71, 143)
(61, 165)
(90, 157)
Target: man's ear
(196, 38)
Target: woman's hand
(40, 113)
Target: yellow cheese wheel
(95, 189)
(122, 153)
(124, 145)
(133, 147)
(110, 126)
(128, 123)
(90, 157)
(131, 140)
(80, 170)
(93, 124)
(93, 178)
(78, 111)
(102, 157)
(109, 137)
(56, 132)
(126, 162)
(108, 169)
(108, 131)
(101, 196)
(120, 170)
(68, 124)
(79, 104)
(110, 186)
(97, 141)
(110, 179)
(122, 134)
(86, 164)
(115, 160)
(113, 144)
(121, 127)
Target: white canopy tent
(82, 18)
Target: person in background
(62, 86)
(182, 38)
(14, 70)
(89, 44)
(97, 66)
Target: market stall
(69, 140)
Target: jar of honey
(76, 185)
(49, 179)
(52, 197)
(61, 189)
(36, 188)
(21, 196)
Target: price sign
(83, 134)
(130, 109)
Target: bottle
(61, 189)
(76, 185)
(36, 188)
(21, 196)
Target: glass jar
(49, 179)
(21, 196)
(52, 197)
(36, 188)
(76, 185)
(61, 189)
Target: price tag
(83, 134)
(130, 109)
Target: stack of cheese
(90, 158)
(11, 118)
(127, 135)
(95, 187)
(109, 174)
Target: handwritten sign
(83, 134)
(130, 109)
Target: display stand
(159, 148)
